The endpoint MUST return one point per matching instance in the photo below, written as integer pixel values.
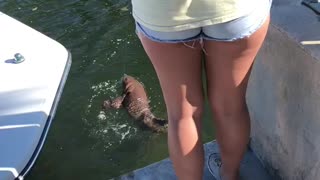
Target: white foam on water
(115, 134)
(108, 87)
(113, 54)
(122, 126)
(123, 136)
(124, 9)
(102, 115)
(109, 127)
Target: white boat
(33, 71)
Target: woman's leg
(228, 67)
(179, 71)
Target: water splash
(102, 116)
(113, 54)
(112, 127)
(124, 9)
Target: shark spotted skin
(134, 99)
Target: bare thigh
(178, 68)
(228, 66)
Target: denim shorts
(236, 29)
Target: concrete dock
(251, 168)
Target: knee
(186, 112)
(227, 106)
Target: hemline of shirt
(189, 25)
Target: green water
(85, 142)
